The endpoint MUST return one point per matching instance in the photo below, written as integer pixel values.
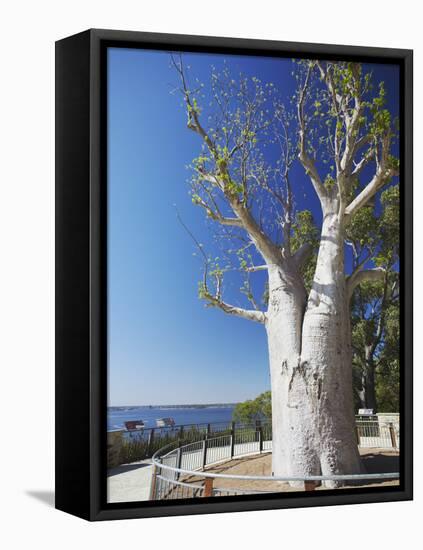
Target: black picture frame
(81, 277)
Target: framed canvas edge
(98, 509)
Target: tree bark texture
(310, 364)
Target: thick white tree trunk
(310, 364)
(284, 327)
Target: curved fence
(130, 446)
(143, 443)
(179, 469)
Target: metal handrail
(264, 422)
(336, 477)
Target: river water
(199, 415)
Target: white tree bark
(284, 325)
(310, 363)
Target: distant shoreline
(186, 406)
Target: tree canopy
(251, 410)
(336, 125)
(338, 128)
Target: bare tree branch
(382, 317)
(215, 214)
(340, 109)
(305, 159)
(367, 157)
(223, 181)
(352, 122)
(265, 246)
(377, 182)
(254, 268)
(360, 276)
(302, 254)
(251, 315)
(215, 299)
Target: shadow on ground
(378, 464)
(126, 468)
(46, 497)
(374, 461)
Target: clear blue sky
(164, 345)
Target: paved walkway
(129, 482)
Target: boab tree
(246, 180)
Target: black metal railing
(143, 443)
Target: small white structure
(365, 412)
